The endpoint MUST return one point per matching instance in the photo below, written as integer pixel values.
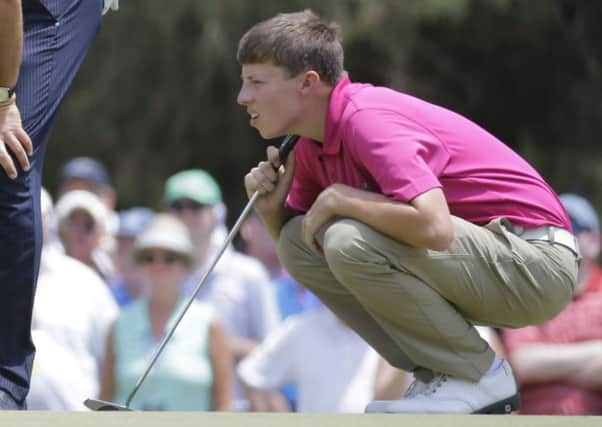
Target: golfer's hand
(13, 139)
(271, 179)
(322, 211)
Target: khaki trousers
(417, 307)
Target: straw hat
(168, 233)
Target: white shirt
(333, 367)
(72, 314)
(239, 288)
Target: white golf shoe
(494, 393)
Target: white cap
(81, 199)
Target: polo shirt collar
(336, 108)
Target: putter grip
(285, 148)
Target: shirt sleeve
(304, 188)
(271, 365)
(403, 158)
(265, 311)
(243, 297)
(103, 315)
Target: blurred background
(157, 93)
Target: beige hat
(81, 199)
(168, 233)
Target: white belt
(549, 233)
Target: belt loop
(551, 233)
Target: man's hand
(590, 372)
(271, 180)
(578, 363)
(323, 210)
(13, 139)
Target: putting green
(195, 419)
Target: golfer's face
(271, 98)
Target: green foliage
(157, 93)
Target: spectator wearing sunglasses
(239, 286)
(83, 224)
(193, 372)
(559, 364)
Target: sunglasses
(185, 204)
(168, 258)
(87, 225)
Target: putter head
(102, 405)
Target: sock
(497, 362)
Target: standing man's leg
(57, 37)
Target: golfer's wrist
(267, 213)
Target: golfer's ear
(309, 80)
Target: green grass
(195, 419)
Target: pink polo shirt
(384, 141)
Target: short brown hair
(297, 42)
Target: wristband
(6, 94)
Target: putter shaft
(284, 150)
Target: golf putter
(101, 405)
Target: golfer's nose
(244, 96)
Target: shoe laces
(435, 384)
(412, 389)
(416, 388)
